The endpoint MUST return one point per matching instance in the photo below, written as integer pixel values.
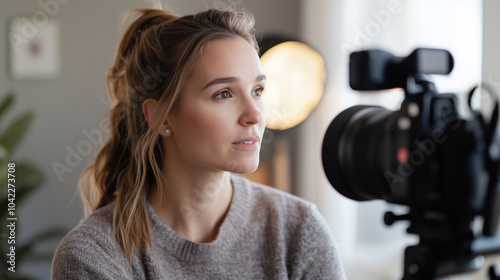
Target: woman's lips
(248, 144)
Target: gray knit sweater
(266, 234)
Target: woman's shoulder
(89, 249)
(310, 249)
(97, 227)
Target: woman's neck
(193, 203)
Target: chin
(243, 166)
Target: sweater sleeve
(316, 255)
(88, 255)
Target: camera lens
(357, 150)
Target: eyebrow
(227, 80)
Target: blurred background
(75, 42)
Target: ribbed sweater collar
(167, 240)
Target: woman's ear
(148, 107)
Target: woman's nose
(251, 113)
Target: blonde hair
(155, 57)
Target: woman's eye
(223, 94)
(259, 91)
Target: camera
(444, 167)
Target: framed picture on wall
(34, 48)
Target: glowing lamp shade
(296, 77)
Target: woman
(187, 114)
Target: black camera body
(425, 156)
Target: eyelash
(260, 89)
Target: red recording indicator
(403, 155)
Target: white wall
(491, 43)
(76, 102)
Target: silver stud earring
(167, 131)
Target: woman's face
(220, 119)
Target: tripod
(438, 254)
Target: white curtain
(370, 250)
